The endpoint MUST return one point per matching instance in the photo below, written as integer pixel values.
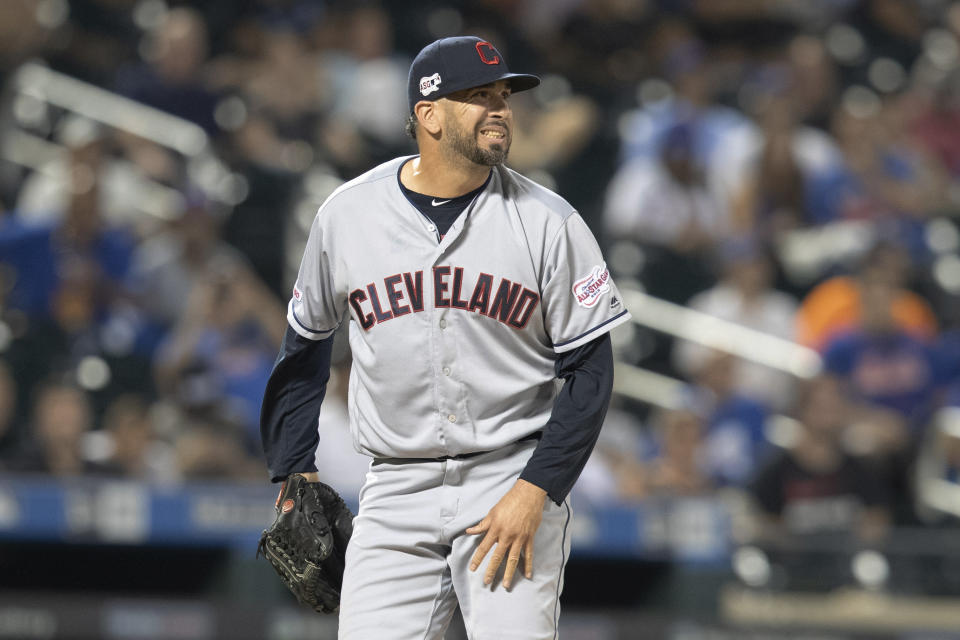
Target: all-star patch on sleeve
(580, 300)
(315, 307)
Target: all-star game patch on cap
(462, 62)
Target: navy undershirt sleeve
(291, 405)
(574, 425)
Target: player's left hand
(510, 525)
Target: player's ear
(429, 116)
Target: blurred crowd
(789, 166)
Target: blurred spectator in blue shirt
(879, 363)
(885, 175)
(734, 423)
(217, 359)
(43, 257)
(69, 277)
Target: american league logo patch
(429, 84)
(588, 290)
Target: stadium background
(775, 184)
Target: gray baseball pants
(408, 560)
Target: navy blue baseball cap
(462, 62)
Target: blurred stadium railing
(39, 99)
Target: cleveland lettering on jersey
(400, 294)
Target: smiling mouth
(494, 133)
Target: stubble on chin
(468, 148)
(492, 157)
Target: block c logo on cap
(429, 84)
(484, 45)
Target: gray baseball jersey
(453, 342)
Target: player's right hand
(511, 525)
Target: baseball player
(479, 310)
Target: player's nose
(498, 107)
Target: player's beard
(467, 146)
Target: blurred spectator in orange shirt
(835, 306)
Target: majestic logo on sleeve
(429, 84)
(505, 301)
(296, 293)
(588, 290)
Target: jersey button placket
(447, 393)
